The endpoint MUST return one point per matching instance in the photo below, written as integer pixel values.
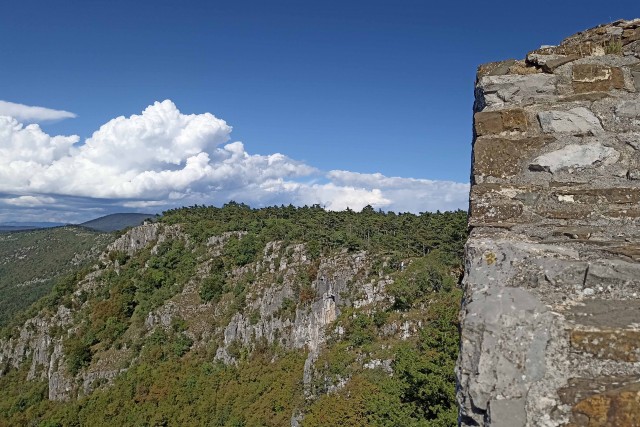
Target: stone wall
(551, 313)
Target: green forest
(387, 362)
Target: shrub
(212, 288)
(181, 345)
(254, 317)
(120, 257)
(613, 47)
(78, 354)
(243, 251)
(421, 278)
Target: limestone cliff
(552, 280)
(290, 300)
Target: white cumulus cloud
(408, 194)
(163, 158)
(31, 114)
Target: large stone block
(629, 213)
(496, 122)
(632, 49)
(631, 138)
(630, 35)
(607, 196)
(629, 109)
(493, 204)
(635, 73)
(629, 250)
(581, 50)
(588, 204)
(575, 156)
(495, 68)
(576, 121)
(578, 389)
(614, 408)
(503, 157)
(503, 347)
(596, 78)
(495, 212)
(496, 91)
(614, 344)
(549, 63)
(565, 211)
(595, 401)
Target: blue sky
(359, 87)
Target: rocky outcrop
(275, 312)
(549, 333)
(305, 327)
(291, 302)
(36, 343)
(136, 238)
(140, 237)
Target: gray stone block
(496, 91)
(578, 120)
(575, 156)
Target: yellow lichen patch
(490, 257)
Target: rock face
(273, 312)
(139, 237)
(550, 332)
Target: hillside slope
(31, 262)
(241, 317)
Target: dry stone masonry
(551, 313)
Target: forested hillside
(31, 261)
(235, 316)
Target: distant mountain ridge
(11, 228)
(22, 226)
(118, 221)
(34, 224)
(107, 223)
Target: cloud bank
(162, 159)
(29, 114)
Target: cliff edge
(550, 319)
